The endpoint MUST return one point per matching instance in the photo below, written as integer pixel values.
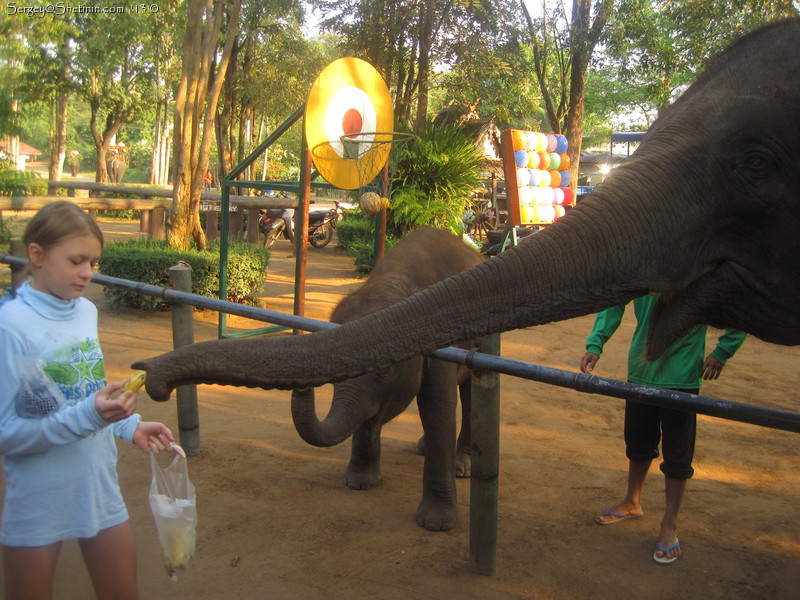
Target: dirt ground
(277, 522)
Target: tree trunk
(196, 103)
(425, 43)
(58, 140)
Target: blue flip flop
(665, 560)
(617, 517)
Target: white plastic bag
(38, 395)
(174, 506)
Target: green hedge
(356, 235)
(22, 183)
(148, 261)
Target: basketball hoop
(370, 152)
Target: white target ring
(350, 111)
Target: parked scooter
(321, 223)
(275, 223)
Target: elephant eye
(755, 162)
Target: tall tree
(661, 46)
(563, 44)
(203, 72)
(114, 71)
(408, 40)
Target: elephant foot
(463, 463)
(362, 480)
(437, 514)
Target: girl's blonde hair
(59, 220)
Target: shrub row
(22, 183)
(148, 261)
(356, 235)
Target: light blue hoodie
(60, 469)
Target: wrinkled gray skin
(363, 404)
(706, 211)
(116, 167)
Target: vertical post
(252, 225)
(485, 420)
(301, 233)
(180, 277)
(212, 224)
(18, 274)
(156, 228)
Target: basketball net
(370, 152)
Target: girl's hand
(153, 437)
(121, 407)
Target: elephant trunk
(340, 423)
(589, 260)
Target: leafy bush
(21, 183)
(356, 235)
(148, 261)
(119, 214)
(434, 178)
(5, 230)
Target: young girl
(60, 463)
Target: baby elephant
(362, 405)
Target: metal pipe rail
(592, 384)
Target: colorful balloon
(555, 160)
(526, 213)
(523, 177)
(521, 158)
(535, 177)
(530, 141)
(545, 182)
(518, 139)
(564, 178)
(565, 161)
(551, 143)
(544, 161)
(541, 142)
(569, 196)
(559, 211)
(558, 195)
(561, 144)
(555, 178)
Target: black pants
(645, 425)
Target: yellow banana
(135, 381)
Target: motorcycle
(321, 223)
(277, 222)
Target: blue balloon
(561, 144)
(535, 178)
(564, 178)
(521, 158)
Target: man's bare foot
(618, 513)
(666, 555)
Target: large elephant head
(707, 211)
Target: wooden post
(157, 230)
(252, 225)
(180, 277)
(212, 224)
(144, 221)
(483, 488)
(18, 274)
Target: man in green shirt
(681, 368)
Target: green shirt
(680, 366)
